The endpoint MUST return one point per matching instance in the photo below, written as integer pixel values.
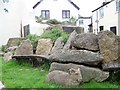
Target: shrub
(38, 19)
(3, 48)
(114, 77)
(54, 34)
(71, 21)
(34, 39)
(65, 36)
(53, 21)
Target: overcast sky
(86, 6)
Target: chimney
(104, 3)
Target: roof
(104, 4)
(74, 5)
(71, 2)
(37, 4)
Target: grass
(100, 85)
(16, 75)
(24, 75)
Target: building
(10, 19)
(17, 17)
(17, 20)
(107, 17)
(61, 10)
(85, 22)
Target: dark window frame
(101, 28)
(45, 14)
(65, 14)
(114, 29)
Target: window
(26, 30)
(117, 5)
(101, 28)
(81, 22)
(101, 12)
(113, 29)
(65, 13)
(45, 14)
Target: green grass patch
(23, 75)
(100, 85)
(18, 75)
(1, 68)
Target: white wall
(10, 21)
(86, 23)
(94, 19)
(110, 18)
(56, 8)
(28, 17)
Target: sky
(86, 6)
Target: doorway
(113, 29)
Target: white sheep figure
(71, 79)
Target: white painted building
(14, 15)
(61, 10)
(106, 17)
(84, 22)
(10, 19)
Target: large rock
(71, 38)
(8, 56)
(25, 48)
(76, 56)
(86, 41)
(88, 73)
(72, 79)
(109, 45)
(44, 47)
(58, 45)
(14, 42)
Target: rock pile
(92, 54)
(90, 49)
(85, 57)
(25, 48)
